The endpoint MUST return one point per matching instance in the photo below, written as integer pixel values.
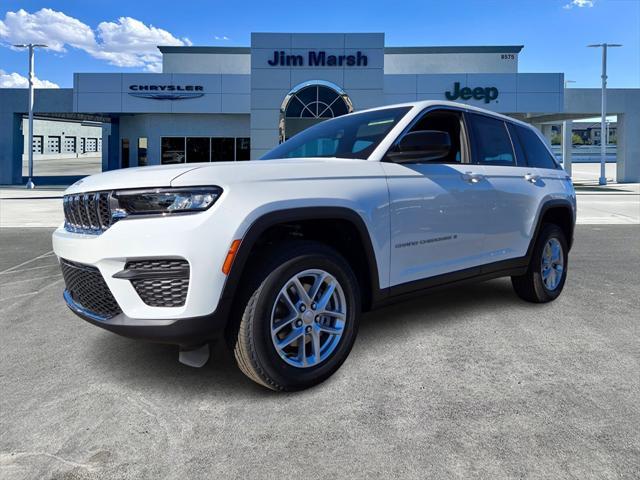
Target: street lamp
(567, 82)
(603, 119)
(31, 47)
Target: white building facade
(236, 103)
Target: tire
(264, 317)
(543, 282)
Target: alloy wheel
(308, 318)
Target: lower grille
(88, 289)
(158, 292)
(160, 282)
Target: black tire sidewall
(285, 375)
(548, 232)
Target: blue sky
(101, 36)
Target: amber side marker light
(231, 254)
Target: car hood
(140, 177)
(225, 173)
(229, 173)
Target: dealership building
(236, 103)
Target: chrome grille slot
(87, 213)
(82, 209)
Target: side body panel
(514, 205)
(437, 219)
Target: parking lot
(470, 382)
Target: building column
(11, 142)
(628, 148)
(547, 131)
(567, 134)
(113, 154)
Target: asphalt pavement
(467, 383)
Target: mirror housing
(425, 145)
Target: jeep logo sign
(479, 93)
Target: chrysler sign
(166, 92)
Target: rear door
(516, 188)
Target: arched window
(310, 103)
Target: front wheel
(299, 323)
(547, 271)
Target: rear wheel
(299, 321)
(547, 271)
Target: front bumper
(186, 332)
(196, 238)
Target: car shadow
(157, 365)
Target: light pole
(31, 47)
(603, 119)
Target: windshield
(349, 136)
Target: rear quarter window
(535, 150)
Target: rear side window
(491, 141)
(536, 152)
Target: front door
(437, 208)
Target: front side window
(535, 151)
(491, 140)
(351, 136)
(445, 121)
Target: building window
(70, 144)
(92, 144)
(222, 149)
(142, 152)
(172, 150)
(198, 149)
(53, 144)
(124, 152)
(243, 148)
(204, 149)
(37, 144)
(310, 103)
(83, 142)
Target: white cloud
(221, 37)
(15, 80)
(125, 43)
(579, 4)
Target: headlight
(163, 201)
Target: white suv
(281, 255)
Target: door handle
(530, 177)
(471, 177)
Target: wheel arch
(559, 212)
(295, 217)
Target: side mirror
(425, 145)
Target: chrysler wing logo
(166, 92)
